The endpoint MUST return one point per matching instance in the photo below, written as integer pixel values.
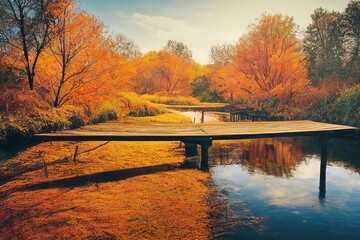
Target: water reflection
(208, 116)
(277, 156)
(278, 181)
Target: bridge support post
(204, 162)
(190, 149)
(323, 161)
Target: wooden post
(202, 116)
(75, 153)
(45, 169)
(322, 186)
(205, 155)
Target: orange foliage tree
(74, 63)
(268, 62)
(143, 80)
(164, 72)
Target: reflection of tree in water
(272, 156)
(341, 152)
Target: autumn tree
(126, 47)
(268, 61)
(222, 54)
(69, 64)
(164, 72)
(178, 48)
(26, 28)
(143, 80)
(174, 73)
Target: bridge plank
(117, 131)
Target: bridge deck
(115, 131)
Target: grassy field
(120, 190)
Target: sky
(199, 24)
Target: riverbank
(121, 190)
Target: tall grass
(136, 106)
(175, 100)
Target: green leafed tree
(351, 29)
(203, 88)
(323, 44)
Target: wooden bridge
(203, 134)
(118, 131)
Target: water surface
(277, 181)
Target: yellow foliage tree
(164, 72)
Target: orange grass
(166, 203)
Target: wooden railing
(249, 115)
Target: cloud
(199, 24)
(288, 196)
(163, 27)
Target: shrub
(342, 108)
(10, 130)
(347, 107)
(15, 127)
(75, 115)
(136, 106)
(76, 121)
(205, 90)
(106, 112)
(145, 111)
(53, 120)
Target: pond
(277, 182)
(195, 116)
(271, 188)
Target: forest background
(60, 69)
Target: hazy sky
(198, 23)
